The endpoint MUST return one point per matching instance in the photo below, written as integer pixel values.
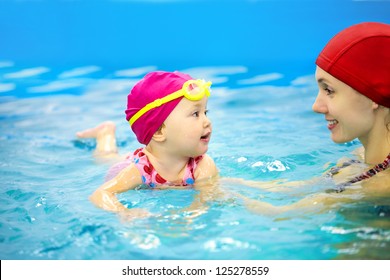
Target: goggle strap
(181, 92)
(156, 103)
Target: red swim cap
(359, 56)
(153, 86)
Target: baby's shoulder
(206, 167)
(130, 172)
(203, 159)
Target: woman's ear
(159, 135)
(375, 105)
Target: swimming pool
(264, 129)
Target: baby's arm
(207, 185)
(105, 196)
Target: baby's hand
(189, 215)
(134, 213)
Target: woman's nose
(319, 105)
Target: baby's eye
(195, 114)
(206, 112)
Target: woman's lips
(332, 124)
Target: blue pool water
(66, 73)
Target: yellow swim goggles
(193, 90)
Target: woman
(353, 75)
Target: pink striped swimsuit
(149, 174)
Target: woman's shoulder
(359, 153)
(357, 158)
(378, 184)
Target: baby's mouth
(206, 136)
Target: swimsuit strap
(367, 174)
(150, 176)
(189, 174)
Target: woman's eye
(328, 90)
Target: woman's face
(348, 113)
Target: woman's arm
(316, 202)
(279, 185)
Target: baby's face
(188, 129)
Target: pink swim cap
(153, 86)
(359, 56)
